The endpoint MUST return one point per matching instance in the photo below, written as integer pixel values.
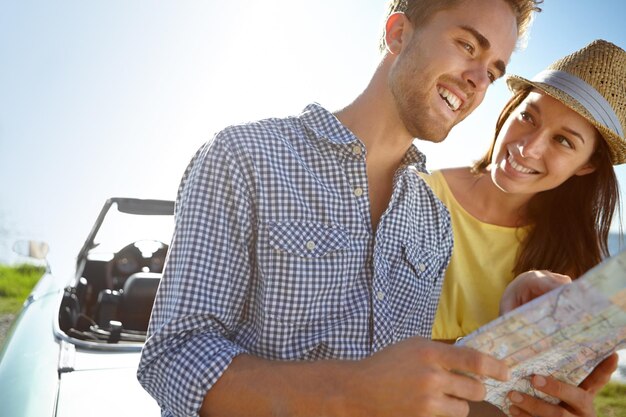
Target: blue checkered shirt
(274, 255)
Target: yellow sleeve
(480, 268)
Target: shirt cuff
(181, 378)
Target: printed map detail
(564, 333)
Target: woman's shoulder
(432, 178)
(443, 171)
(462, 183)
(450, 176)
(457, 173)
(444, 181)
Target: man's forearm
(259, 387)
(413, 378)
(484, 409)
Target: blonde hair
(419, 11)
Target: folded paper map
(564, 333)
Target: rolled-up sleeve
(201, 298)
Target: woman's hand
(575, 401)
(529, 285)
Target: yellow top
(481, 266)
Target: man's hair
(419, 11)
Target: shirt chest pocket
(418, 283)
(305, 272)
(423, 269)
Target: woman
(544, 195)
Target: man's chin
(431, 135)
(437, 133)
(434, 128)
(437, 139)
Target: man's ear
(396, 30)
(588, 168)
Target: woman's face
(542, 144)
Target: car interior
(111, 300)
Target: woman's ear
(395, 32)
(588, 168)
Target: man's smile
(451, 99)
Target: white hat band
(585, 94)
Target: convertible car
(74, 348)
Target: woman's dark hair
(570, 224)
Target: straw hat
(592, 82)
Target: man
(307, 260)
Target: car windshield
(119, 229)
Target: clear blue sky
(112, 98)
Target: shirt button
(310, 245)
(422, 267)
(356, 149)
(358, 191)
(380, 295)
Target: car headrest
(137, 299)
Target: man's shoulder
(314, 121)
(269, 128)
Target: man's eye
(468, 47)
(491, 76)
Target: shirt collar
(325, 125)
(415, 157)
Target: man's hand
(413, 378)
(418, 377)
(575, 401)
(528, 286)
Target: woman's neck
(481, 198)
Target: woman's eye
(564, 141)
(525, 116)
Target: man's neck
(374, 119)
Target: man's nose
(477, 77)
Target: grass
(611, 401)
(16, 282)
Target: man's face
(445, 66)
